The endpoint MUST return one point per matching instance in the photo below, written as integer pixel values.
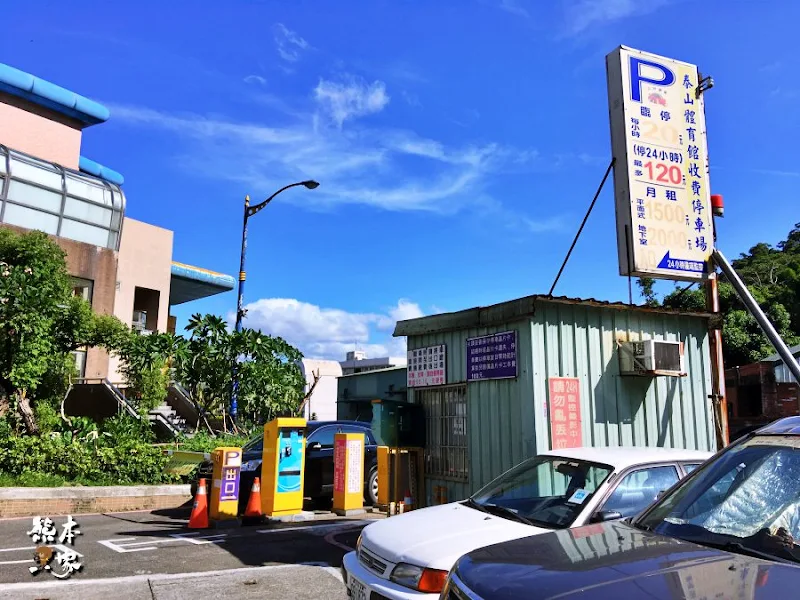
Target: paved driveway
(153, 552)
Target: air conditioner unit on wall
(651, 358)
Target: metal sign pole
(758, 314)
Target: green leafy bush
(204, 442)
(120, 453)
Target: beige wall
(145, 261)
(37, 131)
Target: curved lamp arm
(310, 184)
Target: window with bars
(446, 431)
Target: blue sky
(457, 143)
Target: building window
(80, 362)
(446, 431)
(83, 288)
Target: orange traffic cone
(254, 502)
(199, 518)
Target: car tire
(371, 490)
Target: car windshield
(548, 491)
(254, 445)
(746, 501)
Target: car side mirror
(314, 446)
(606, 515)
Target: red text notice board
(565, 412)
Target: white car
(407, 557)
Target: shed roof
(795, 350)
(514, 310)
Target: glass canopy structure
(36, 194)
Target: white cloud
(583, 14)
(389, 169)
(331, 332)
(255, 79)
(363, 166)
(352, 97)
(545, 225)
(411, 99)
(289, 44)
(514, 7)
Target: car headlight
(430, 581)
(358, 544)
(251, 465)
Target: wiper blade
(472, 504)
(507, 511)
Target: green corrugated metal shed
(564, 337)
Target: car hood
(614, 560)
(435, 537)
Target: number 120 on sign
(662, 173)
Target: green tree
(40, 320)
(147, 365)
(269, 376)
(647, 291)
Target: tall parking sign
(661, 189)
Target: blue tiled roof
(92, 168)
(52, 96)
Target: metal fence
(446, 452)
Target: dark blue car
(318, 480)
(729, 530)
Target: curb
(85, 492)
(27, 502)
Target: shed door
(446, 427)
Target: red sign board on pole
(565, 412)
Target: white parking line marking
(123, 545)
(15, 549)
(30, 549)
(196, 538)
(114, 545)
(316, 529)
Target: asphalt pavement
(131, 555)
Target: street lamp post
(249, 211)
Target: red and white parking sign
(565, 412)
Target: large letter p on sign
(648, 72)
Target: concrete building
(357, 362)
(502, 383)
(121, 266)
(321, 404)
(326, 400)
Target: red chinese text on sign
(565, 412)
(339, 456)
